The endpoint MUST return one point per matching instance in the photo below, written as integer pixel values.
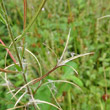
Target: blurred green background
(89, 21)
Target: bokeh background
(89, 21)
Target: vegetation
(54, 55)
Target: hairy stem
(12, 38)
(39, 79)
(10, 33)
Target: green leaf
(104, 83)
(18, 68)
(63, 87)
(75, 80)
(40, 95)
(69, 73)
(68, 69)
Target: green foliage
(88, 33)
(18, 68)
(2, 19)
(69, 73)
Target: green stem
(10, 33)
(12, 38)
(69, 100)
(33, 20)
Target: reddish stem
(25, 13)
(39, 79)
(8, 52)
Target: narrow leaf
(18, 67)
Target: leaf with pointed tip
(74, 79)
(18, 68)
(69, 74)
(70, 68)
